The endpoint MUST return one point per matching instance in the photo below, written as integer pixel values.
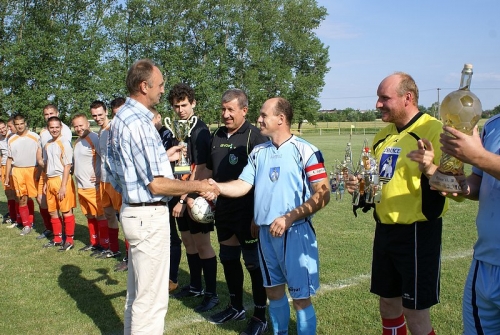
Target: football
(461, 110)
(203, 211)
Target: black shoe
(88, 247)
(97, 251)
(230, 313)
(188, 291)
(52, 244)
(46, 234)
(255, 327)
(122, 266)
(209, 302)
(109, 254)
(67, 246)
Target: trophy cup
(181, 129)
(461, 110)
(370, 187)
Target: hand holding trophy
(181, 129)
(461, 110)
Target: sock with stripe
(395, 326)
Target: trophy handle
(168, 124)
(192, 123)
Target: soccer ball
(461, 110)
(203, 211)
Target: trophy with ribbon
(461, 109)
(181, 129)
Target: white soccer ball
(203, 211)
(461, 110)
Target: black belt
(143, 204)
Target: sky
(430, 40)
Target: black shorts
(240, 228)
(185, 223)
(406, 262)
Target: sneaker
(46, 234)
(122, 266)
(255, 327)
(67, 246)
(6, 218)
(230, 313)
(25, 231)
(88, 247)
(97, 251)
(52, 244)
(11, 224)
(172, 286)
(209, 302)
(187, 291)
(109, 254)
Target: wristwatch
(182, 202)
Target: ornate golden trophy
(461, 110)
(181, 129)
(370, 187)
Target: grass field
(44, 291)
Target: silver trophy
(370, 186)
(181, 129)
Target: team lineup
(264, 185)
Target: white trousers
(147, 231)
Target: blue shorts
(291, 259)
(481, 302)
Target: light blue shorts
(291, 259)
(481, 302)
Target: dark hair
(140, 71)
(117, 102)
(51, 106)
(180, 92)
(54, 118)
(235, 93)
(282, 106)
(2, 121)
(96, 104)
(19, 117)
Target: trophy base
(447, 182)
(182, 169)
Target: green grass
(44, 291)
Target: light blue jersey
(487, 248)
(282, 177)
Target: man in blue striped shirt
(139, 169)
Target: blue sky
(430, 40)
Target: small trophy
(461, 110)
(370, 187)
(181, 129)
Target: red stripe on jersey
(316, 172)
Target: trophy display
(461, 109)
(370, 186)
(181, 129)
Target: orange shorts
(109, 196)
(43, 176)
(53, 187)
(23, 180)
(90, 201)
(6, 188)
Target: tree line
(71, 52)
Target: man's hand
(279, 226)
(6, 181)
(352, 184)
(178, 210)
(467, 148)
(210, 189)
(62, 193)
(254, 229)
(424, 156)
(175, 152)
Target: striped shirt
(135, 154)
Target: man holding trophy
(407, 243)
(187, 128)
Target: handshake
(210, 190)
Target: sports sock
(175, 260)
(233, 272)
(18, 215)
(44, 212)
(209, 267)
(306, 321)
(25, 215)
(113, 239)
(56, 229)
(12, 210)
(69, 228)
(432, 332)
(102, 226)
(259, 294)
(31, 210)
(92, 223)
(194, 263)
(395, 326)
(279, 311)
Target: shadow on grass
(90, 299)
